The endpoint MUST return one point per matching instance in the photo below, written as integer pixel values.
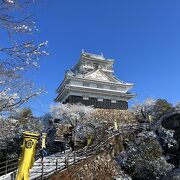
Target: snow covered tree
(78, 116)
(74, 114)
(11, 131)
(142, 110)
(152, 110)
(177, 107)
(143, 158)
(18, 53)
(161, 108)
(168, 144)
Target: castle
(92, 83)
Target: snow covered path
(53, 163)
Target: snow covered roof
(98, 75)
(94, 56)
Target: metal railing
(8, 166)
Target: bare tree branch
(19, 55)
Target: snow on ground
(51, 163)
(7, 176)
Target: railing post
(42, 170)
(13, 175)
(85, 151)
(56, 165)
(74, 156)
(66, 161)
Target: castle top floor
(89, 62)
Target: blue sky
(142, 36)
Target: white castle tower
(92, 83)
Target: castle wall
(104, 103)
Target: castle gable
(98, 75)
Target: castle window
(86, 84)
(100, 86)
(113, 87)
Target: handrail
(8, 166)
(9, 160)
